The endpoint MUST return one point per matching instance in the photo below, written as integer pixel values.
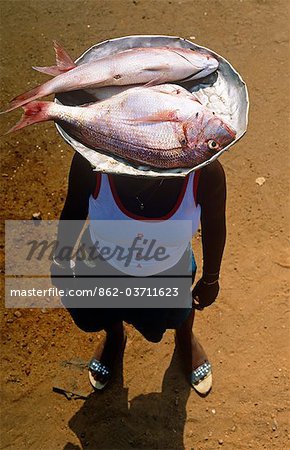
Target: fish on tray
(161, 126)
(150, 66)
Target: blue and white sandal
(96, 367)
(201, 378)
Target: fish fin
(51, 70)
(155, 81)
(160, 68)
(63, 60)
(24, 98)
(34, 112)
(64, 63)
(163, 116)
(195, 98)
(160, 78)
(188, 122)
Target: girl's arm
(81, 184)
(211, 195)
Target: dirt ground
(245, 332)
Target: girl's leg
(192, 351)
(110, 347)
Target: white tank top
(105, 208)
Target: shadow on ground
(152, 421)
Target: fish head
(204, 63)
(206, 135)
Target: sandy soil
(245, 332)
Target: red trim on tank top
(135, 216)
(98, 185)
(195, 185)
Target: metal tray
(224, 92)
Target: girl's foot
(105, 357)
(195, 361)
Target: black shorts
(150, 322)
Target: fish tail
(27, 97)
(62, 57)
(34, 112)
(50, 70)
(64, 62)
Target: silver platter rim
(115, 165)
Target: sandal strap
(97, 367)
(200, 373)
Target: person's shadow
(152, 421)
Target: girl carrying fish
(201, 195)
(163, 127)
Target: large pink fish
(154, 65)
(162, 126)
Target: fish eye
(212, 145)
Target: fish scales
(162, 126)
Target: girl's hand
(60, 275)
(204, 294)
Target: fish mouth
(225, 133)
(199, 146)
(213, 64)
(191, 77)
(202, 73)
(232, 133)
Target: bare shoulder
(82, 178)
(80, 163)
(213, 172)
(212, 182)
